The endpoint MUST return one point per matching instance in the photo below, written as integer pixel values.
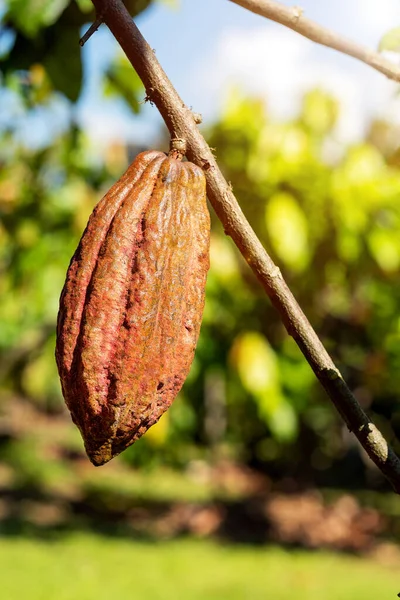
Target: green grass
(90, 567)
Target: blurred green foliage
(47, 33)
(329, 216)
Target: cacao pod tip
(99, 455)
(98, 458)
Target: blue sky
(208, 46)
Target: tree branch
(292, 17)
(181, 124)
(92, 29)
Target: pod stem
(177, 148)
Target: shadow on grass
(297, 520)
(28, 511)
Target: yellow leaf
(157, 434)
(222, 258)
(288, 230)
(255, 362)
(384, 246)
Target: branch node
(197, 117)
(297, 13)
(276, 273)
(92, 29)
(332, 374)
(206, 165)
(149, 95)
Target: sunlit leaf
(294, 144)
(391, 40)
(85, 6)
(31, 15)
(320, 111)
(171, 3)
(348, 246)
(258, 370)
(39, 378)
(363, 164)
(385, 248)
(246, 113)
(255, 362)
(222, 258)
(288, 230)
(122, 80)
(27, 233)
(157, 434)
(283, 422)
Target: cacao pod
(131, 307)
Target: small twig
(92, 29)
(179, 120)
(293, 18)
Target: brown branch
(292, 17)
(181, 124)
(92, 29)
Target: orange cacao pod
(131, 307)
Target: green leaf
(170, 3)
(31, 15)
(223, 260)
(134, 7)
(390, 41)
(63, 64)
(122, 80)
(57, 49)
(85, 6)
(283, 422)
(384, 246)
(258, 369)
(319, 111)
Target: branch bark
(181, 124)
(292, 17)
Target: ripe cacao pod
(131, 307)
